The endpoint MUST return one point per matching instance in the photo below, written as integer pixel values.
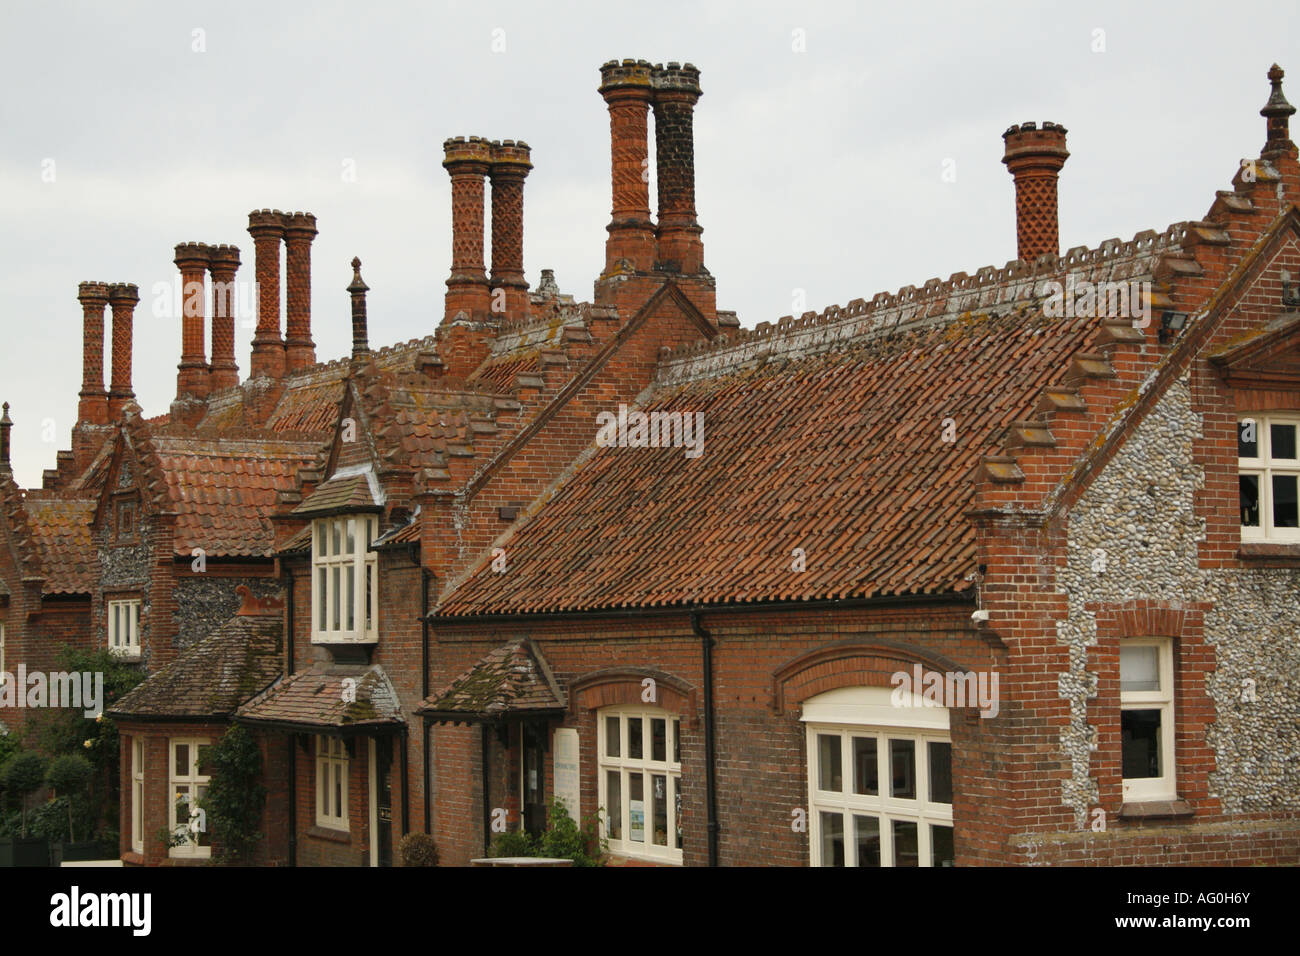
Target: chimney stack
(299, 349)
(266, 226)
(676, 91)
(467, 161)
(123, 296)
(5, 425)
(1034, 157)
(1277, 112)
(627, 88)
(510, 167)
(358, 289)
(223, 263)
(93, 407)
(192, 377)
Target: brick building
(998, 570)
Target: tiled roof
(340, 697)
(224, 490)
(825, 434)
(512, 678)
(215, 676)
(60, 531)
(351, 493)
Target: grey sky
(816, 170)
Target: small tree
(68, 776)
(23, 776)
(235, 794)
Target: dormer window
(345, 579)
(1269, 477)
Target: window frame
(885, 807)
(1264, 465)
(137, 794)
(191, 848)
(670, 768)
(333, 756)
(112, 625)
(1164, 787)
(328, 571)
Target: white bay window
(345, 579)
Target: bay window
(345, 585)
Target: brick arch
(622, 685)
(849, 663)
(1146, 618)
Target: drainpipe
(426, 575)
(293, 757)
(487, 794)
(710, 782)
(406, 790)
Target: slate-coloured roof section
(224, 490)
(338, 698)
(513, 678)
(215, 676)
(351, 493)
(60, 531)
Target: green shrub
(235, 795)
(418, 849)
(68, 776)
(562, 839)
(23, 775)
(513, 843)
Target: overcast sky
(130, 127)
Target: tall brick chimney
(266, 226)
(123, 296)
(510, 166)
(467, 161)
(358, 289)
(299, 349)
(676, 91)
(223, 263)
(93, 406)
(1034, 157)
(627, 88)
(5, 425)
(1277, 112)
(192, 376)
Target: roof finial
(358, 288)
(1277, 112)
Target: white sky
(816, 170)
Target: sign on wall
(566, 770)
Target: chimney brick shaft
(299, 349)
(467, 161)
(677, 90)
(223, 264)
(1034, 157)
(192, 376)
(5, 425)
(123, 296)
(510, 166)
(266, 226)
(93, 405)
(358, 289)
(627, 90)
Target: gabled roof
(60, 532)
(1270, 357)
(512, 679)
(333, 698)
(215, 676)
(339, 494)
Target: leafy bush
(235, 795)
(562, 839)
(68, 777)
(418, 849)
(23, 775)
(513, 843)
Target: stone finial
(358, 289)
(1277, 114)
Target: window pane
(335, 540)
(1139, 668)
(634, 745)
(350, 589)
(902, 760)
(941, 853)
(677, 740)
(614, 802)
(1140, 743)
(832, 839)
(1281, 441)
(867, 835)
(320, 536)
(1284, 502)
(335, 599)
(677, 808)
(370, 614)
(659, 796)
(830, 769)
(635, 808)
(940, 758)
(350, 525)
(320, 598)
(611, 737)
(181, 806)
(200, 838)
(1248, 438)
(1248, 489)
(905, 846)
(658, 739)
(201, 763)
(338, 791)
(866, 768)
(182, 752)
